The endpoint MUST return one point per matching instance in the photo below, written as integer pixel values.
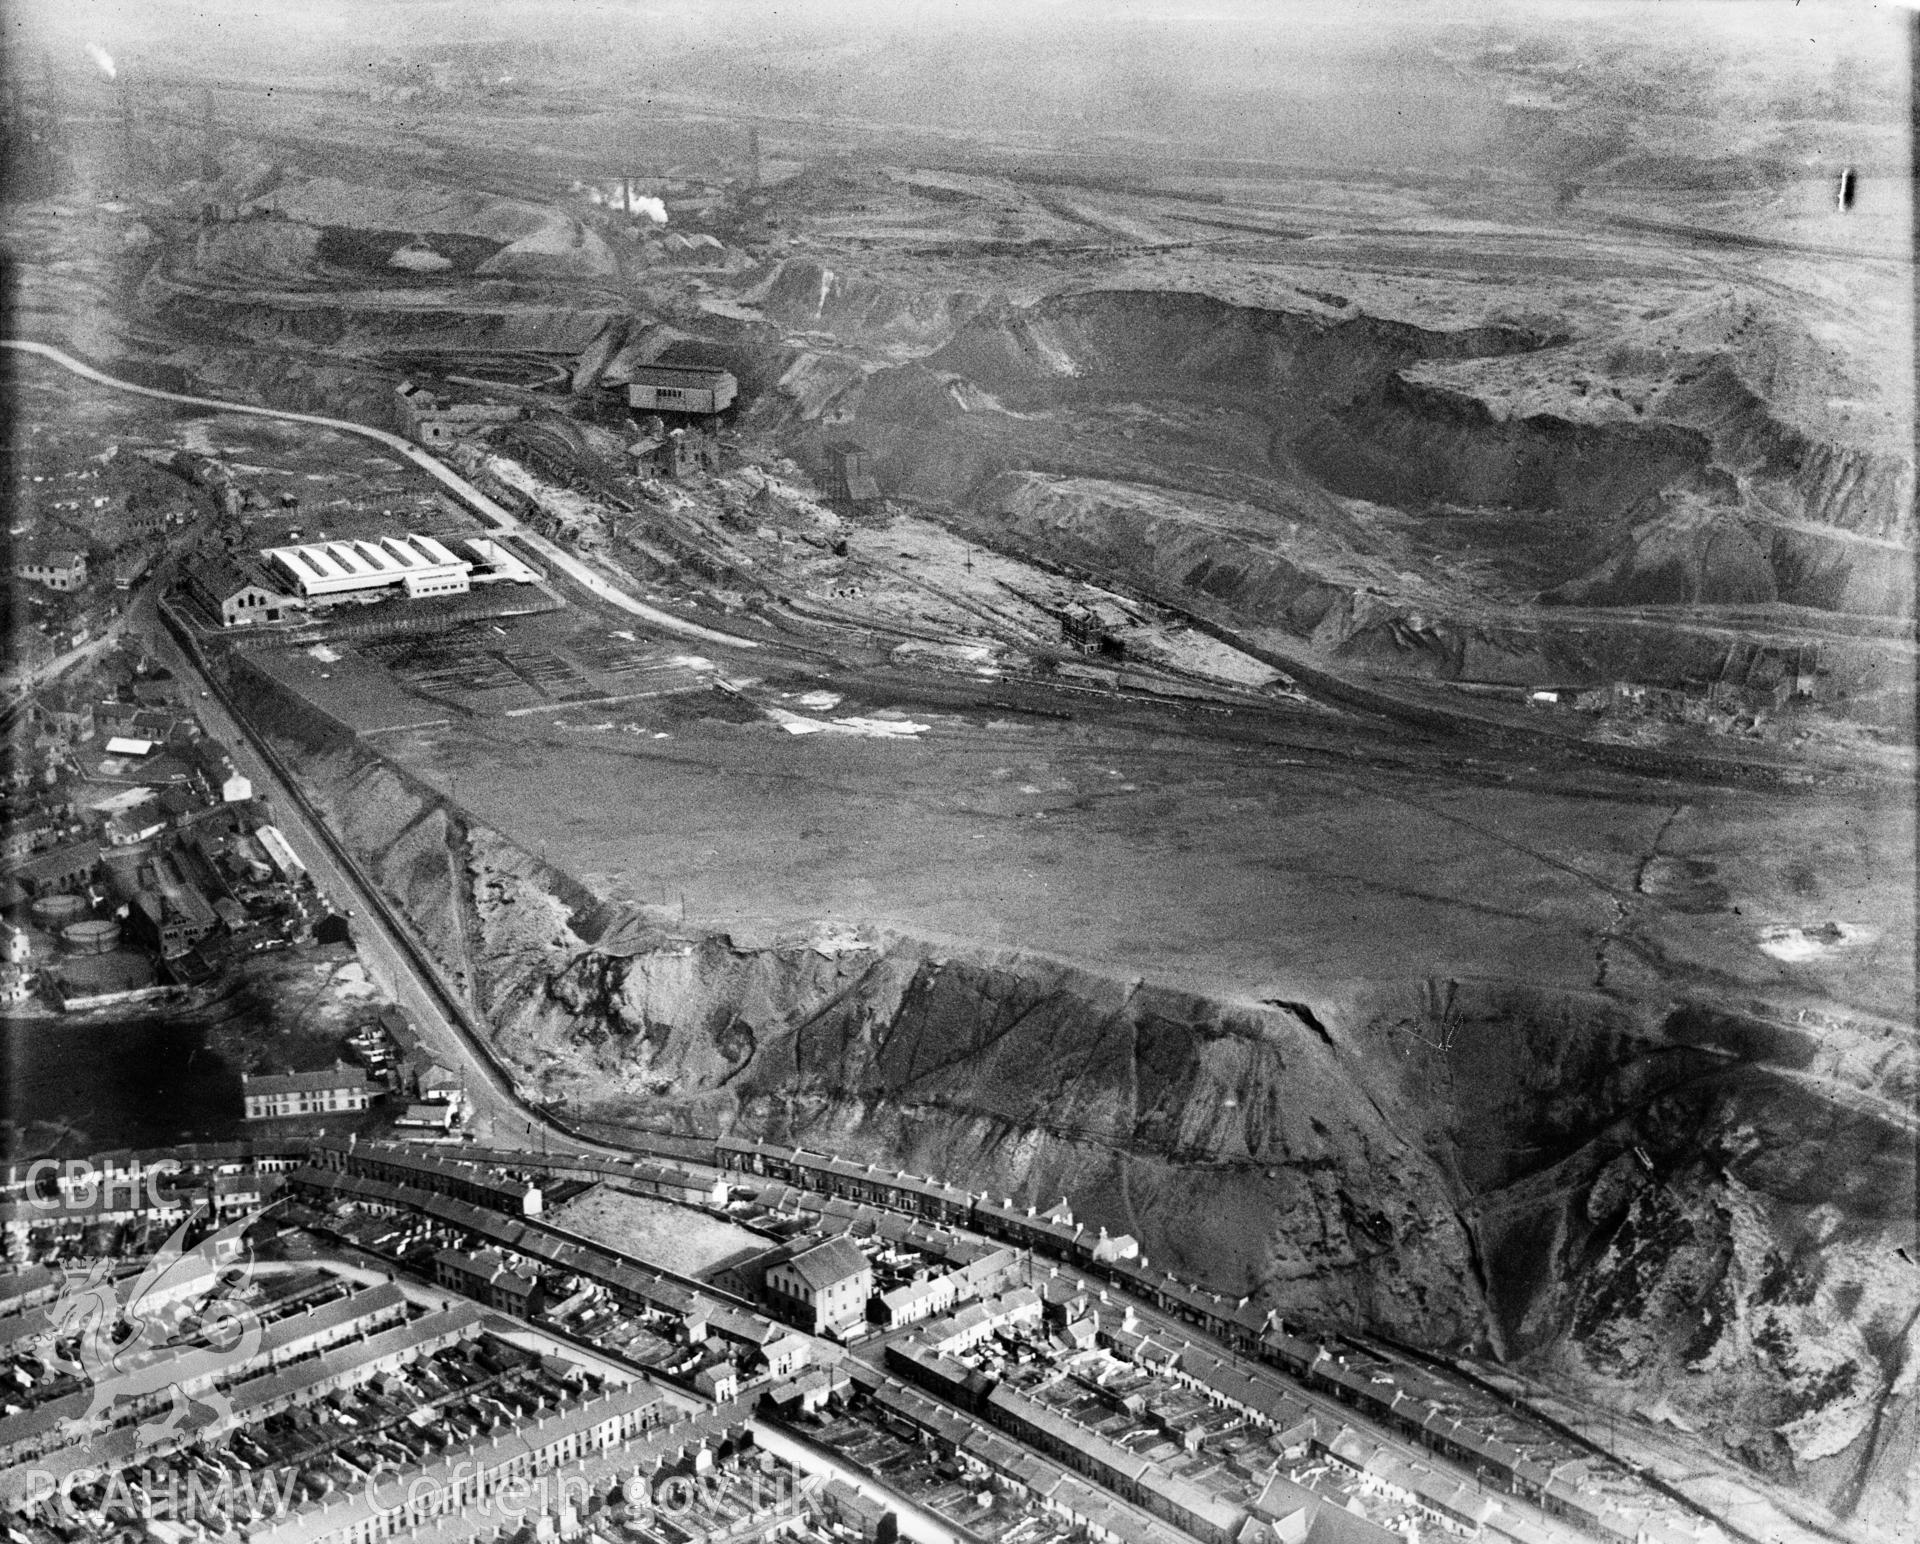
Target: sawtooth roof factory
(420, 565)
(282, 579)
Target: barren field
(1555, 1156)
(1254, 872)
(676, 1238)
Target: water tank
(101, 937)
(52, 910)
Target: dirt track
(469, 495)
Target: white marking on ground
(867, 728)
(1798, 944)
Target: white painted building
(330, 570)
(495, 561)
(280, 853)
(306, 1093)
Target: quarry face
(1305, 640)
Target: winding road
(380, 936)
(502, 520)
(377, 934)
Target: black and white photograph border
(1121, 770)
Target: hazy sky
(1346, 82)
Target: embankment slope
(1666, 1205)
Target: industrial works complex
(453, 1344)
(280, 581)
(849, 783)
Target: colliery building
(434, 420)
(681, 389)
(850, 482)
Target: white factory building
(331, 570)
(280, 853)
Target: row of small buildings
(351, 1347)
(1452, 1501)
(696, 1309)
(581, 1459)
(529, 1268)
(509, 1256)
(817, 1284)
(1059, 1488)
(1388, 1390)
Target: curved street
(502, 519)
(501, 1114)
(916, 1522)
